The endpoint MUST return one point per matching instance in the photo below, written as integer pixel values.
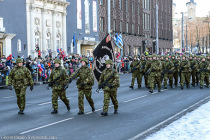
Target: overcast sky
(203, 6)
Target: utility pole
(108, 12)
(157, 25)
(186, 37)
(182, 31)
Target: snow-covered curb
(193, 126)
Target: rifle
(192, 65)
(165, 70)
(182, 68)
(103, 84)
(204, 68)
(55, 81)
(134, 68)
(147, 72)
(67, 85)
(143, 65)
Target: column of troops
(192, 70)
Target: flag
(120, 40)
(101, 53)
(116, 41)
(74, 41)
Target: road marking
(46, 126)
(51, 102)
(135, 98)
(9, 97)
(161, 123)
(97, 110)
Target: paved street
(138, 112)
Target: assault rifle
(54, 81)
(70, 80)
(134, 68)
(182, 68)
(165, 70)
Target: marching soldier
(142, 68)
(110, 89)
(167, 73)
(203, 69)
(155, 74)
(134, 68)
(147, 71)
(57, 80)
(193, 65)
(176, 69)
(20, 78)
(196, 71)
(84, 85)
(184, 70)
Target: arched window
(58, 41)
(48, 41)
(37, 40)
(19, 45)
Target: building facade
(191, 9)
(32, 25)
(82, 21)
(136, 20)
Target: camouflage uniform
(142, 68)
(20, 78)
(147, 71)
(169, 67)
(58, 86)
(84, 85)
(155, 74)
(203, 69)
(112, 90)
(136, 72)
(176, 70)
(197, 73)
(185, 70)
(193, 67)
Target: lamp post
(157, 41)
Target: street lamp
(186, 33)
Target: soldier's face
(178, 58)
(208, 57)
(57, 65)
(166, 59)
(142, 58)
(183, 58)
(203, 59)
(195, 58)
(83, 63)
(134, 58)
(173, 57)
(108, 65)
(20, 64)
(190, 58)
(154, 58)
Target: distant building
(191, 9)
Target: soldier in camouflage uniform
(155, 74)
(58, 86)
(204, 69)
(196, 70)
(20, 78)
(110, 90)
(84, 85)
(142, 68)
(135, 73)
(168, 68)
(147, 71)
(185, 70)
(176, 69)
(193, 67)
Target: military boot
(182, 87)
(80, 113)
(201, 87)
(165, 87)
(21, 112)
(172, 87)
(206, 86)
(104, 113)
(93, 109)
(151, 91)
(68, 107)
(193, 84)
(139, 86)
(159, 90)
(115, 111)
(131, 87)
(54, 112)
(188, 86)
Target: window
(101, 2)
(126, 5)
(102, 23)
(113, 4)
(58, 41)
(120, 4)
(121, 26)
(146, 4)
(37, 39)
(114, 25)
(133, 28)
(138, 30)
(87, 19)
(127, 27)
(132, 6)
(48, 41)
(146, 21)
(19, 45)
(138, 9)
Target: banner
(94, 16)
(79, 15)
(101, 53)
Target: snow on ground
(193, 126)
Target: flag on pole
(120, 40)
(74, 41)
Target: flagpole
(108, 12)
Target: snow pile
(193, 126)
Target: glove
(153, 70)
(70, 80)
(83, 84)
(111, 86)
(182, 68)
(50, 84)
(10, 87)
(31, 87)
(170, 71)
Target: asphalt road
(138, 111)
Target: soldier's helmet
(142, 55)
(19, 60)
(85, 60)
(173, 55)
(183, 56)
(154, 55)
(191, 55)
(135, 56)
(57, 61)
(166, 56)
(109, 62)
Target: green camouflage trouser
(134, 75)
(197, 78)
(21, 97)
(204, 76)
(141, 77)
(185, 77)
(87, 94)
(166, 77)
(107, 95)
(176, 78)
(62, 95)
(155, 80)
(193, 74)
